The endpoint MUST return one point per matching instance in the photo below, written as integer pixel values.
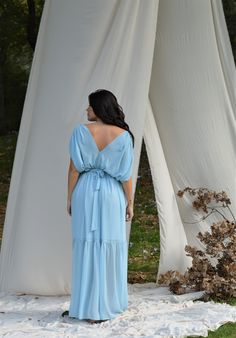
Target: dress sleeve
(74, 150)
(127, 161)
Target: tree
(19, 20)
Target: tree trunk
(3, 126)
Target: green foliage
(7, 151)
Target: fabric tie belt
(95, 214)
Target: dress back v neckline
(110, 143)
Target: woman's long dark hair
(106, 107)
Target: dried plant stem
(219, 213)
(201, 219)
(231, 213)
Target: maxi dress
(98, 225)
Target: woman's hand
(129, 213)
(69, 207)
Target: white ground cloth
(152, 312)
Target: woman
(100, 200)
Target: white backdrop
(171, 67)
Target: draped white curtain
(171, 67)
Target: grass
(226, 331)
(144, 248)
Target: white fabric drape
(170, 65)
(192, 94)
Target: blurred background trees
(19, 23)
(19, 20)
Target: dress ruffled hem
(99, 279)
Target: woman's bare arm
(127, 186)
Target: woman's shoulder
(78, 127)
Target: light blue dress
(99, 244)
